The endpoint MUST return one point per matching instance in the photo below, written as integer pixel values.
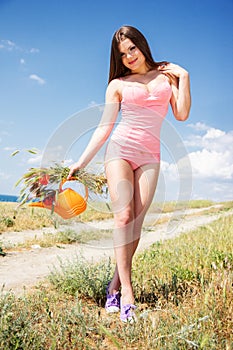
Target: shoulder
(113, 91)
(114, 84)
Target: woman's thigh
(120, 177)
(145, 182)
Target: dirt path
(21, 270)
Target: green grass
(183, 289)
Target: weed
(7, 221)
(26, 218)
(68, 236)
(83, 279)
(183, 289)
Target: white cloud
(193, 141)
(9, 45)
(213, 139)
(35, 160)
(170, 169)
(214, 158)
(210, 151)
(213, 133)
(22, 61)
(34, 50)
(218, 140)
(213, 190)
(198, 126)
(211, 164)
(39, 80)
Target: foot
(127, 313)
(113, 301)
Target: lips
(132, 62)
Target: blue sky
(54, 59)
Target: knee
(124, 218)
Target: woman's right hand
(73, 168)
(104, 128)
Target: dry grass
(183, 289)
(168, 207)
(26, 218)
(60, 238)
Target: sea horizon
(8, 198)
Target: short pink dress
(136, 137)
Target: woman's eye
(132, 48)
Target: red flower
(49, 200)
(44, 180)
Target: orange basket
(68, 203)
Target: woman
(142, 89)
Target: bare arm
(101, 134)
(181, 99)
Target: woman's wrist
(81, 164)
(184, 75)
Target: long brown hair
(117, 68)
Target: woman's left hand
(173, 70)
(179, 80)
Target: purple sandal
(127, 313)
(113, 301)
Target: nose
(129, 55)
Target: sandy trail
(21, 270)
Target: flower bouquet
(42, 187)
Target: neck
(141, 71)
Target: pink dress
(136, 137)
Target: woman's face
(131, 56)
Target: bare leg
(121, 188)
(131, 194)
(145, 182)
